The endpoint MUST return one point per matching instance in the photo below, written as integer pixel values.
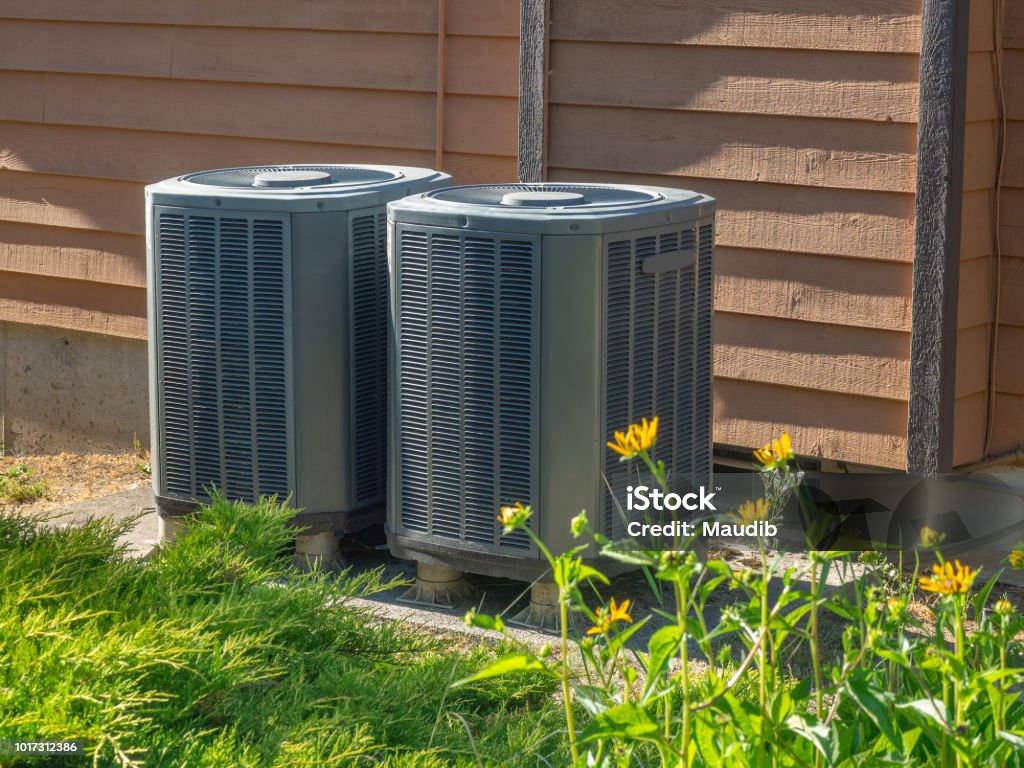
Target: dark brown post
(533, 88)
(940, 169)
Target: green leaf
(818, 734)
(625, 721)
(507, 665)
(588, 573)
(932, 709)
(663, 645)
(872, 701)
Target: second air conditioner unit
(529, 322)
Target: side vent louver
(369, 300)
(649, 358)
(221, 353)
(467, 404)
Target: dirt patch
(76, 477)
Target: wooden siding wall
(974, 315)
(800, 117)
(101, 97)
(1008, 421)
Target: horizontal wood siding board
(880, 87)
(842, 427)
(980, 26)
(148, 156)
(823, 356)
(974, 306)
(381, 61)
(1013, 171)
(813, 288)
(976, 225)
(483, 125)
(969, 415)
(58, 315)
(480, 169)
(979, 156)
(841, 222)
(1006, 432)
(226, 13)
(981, 89)
(68, 201)
(1011, 308)
(858, 25)
(497, 18)
(972, 360)
(787, 150)
(1010, 362)
(293, 113)
(23, 96)
(47, 298)
(74, 254)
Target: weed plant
(19, 485)
(900, 686)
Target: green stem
(566, 690)
(763, 657)
(959, 643)
(819, 701)
(682, 600)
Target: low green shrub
(215, 652)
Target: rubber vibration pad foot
(437, 586)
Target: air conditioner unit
(529, 322)
(267, 336)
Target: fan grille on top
(594, 195)
(243, 178)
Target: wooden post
(533, 89)
(940, 168)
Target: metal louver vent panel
(369, 300)
(704, 354)
(222, 303)
(650, 322)
(468, 339)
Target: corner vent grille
(704, 354)
(467, 402)
(650, 334)
(369, 300)
(221, 359)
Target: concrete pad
(141, 539)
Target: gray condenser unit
(267, 336)
(529, 322)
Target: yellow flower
(1003, 607)
(515, 516)
(636, 439)
(752, 511)
(931, 538)
(1016, 559)
(603, 620)
(895, 605)
(775, 454)
(949, 579)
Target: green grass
(17, 485)
(216, 653)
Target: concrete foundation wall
(70, 391)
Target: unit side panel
(222, 302)
(321, 336)
(466, 401)
(654, 363)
